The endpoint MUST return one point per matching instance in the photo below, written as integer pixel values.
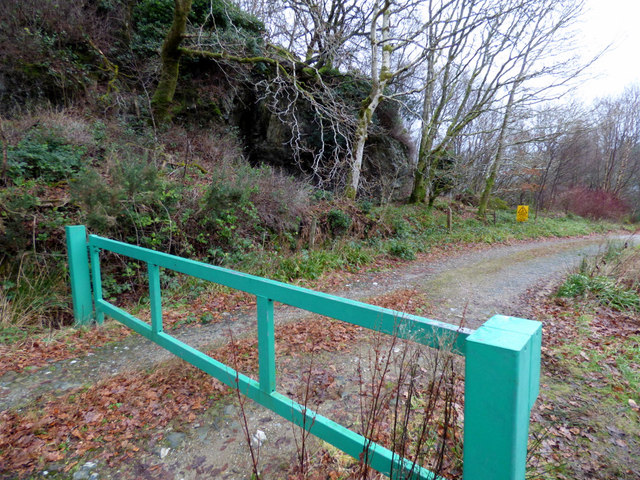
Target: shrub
(322, 195)
(43, 156)
(366, 206)
(355, 255)
(596, 204)
(281, 201)
(402, 249)
(229, 191)
(401, 228)
(339, 221)
(132, 202)
(496, 203)
(574, 286)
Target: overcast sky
(615, 22)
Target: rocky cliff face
(388, 165)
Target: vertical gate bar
(78, 256)
(96, 277)
(502, 369)
(155, 298)
(266, 345)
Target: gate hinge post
(78, 256)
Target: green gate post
(96, 280)
(266, 345)
(79, 273)
(502, 376)
(155, 299)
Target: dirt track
(468, 288)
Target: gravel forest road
(467, 287)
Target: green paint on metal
(381, 459)
(79, 273)
(96, 277)
(421, 330)
(502, 364)
(502, 372)
(266, 345)
(155, 298)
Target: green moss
(328, 71)
(385, 75)
(309, 72)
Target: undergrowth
(612, 279)
(127, 183)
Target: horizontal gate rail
(418, 329)
(501, 373)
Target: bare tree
(464, 41)
(618, 135)
(170, 55)
(329, 27)
(324, 33)
(476, 50)
(392, 34)
(544, 30)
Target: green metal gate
(502, 357)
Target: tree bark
(379, 80)
(171, 53)
(493, 172)
(362, 133)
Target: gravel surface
(468, 288)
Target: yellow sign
(522, 214)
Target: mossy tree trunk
(362, 133)
(380, 77)
(171, 53)
(497, 160)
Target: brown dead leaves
(113, 416)
(73, 343)
(39, 352)
(210, 307)
(405, 300)
(584, 396)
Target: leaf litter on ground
(584, 425)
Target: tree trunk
(419, 191)
(5, 152)
(362, 133)
(379, 80)
(493, 172)
(163, 96)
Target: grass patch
(403, 232)
(37, 299)
(608, 279)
